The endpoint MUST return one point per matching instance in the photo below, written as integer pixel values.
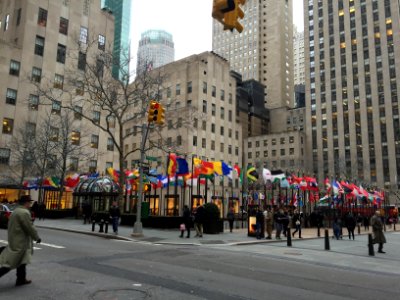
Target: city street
(76, 266)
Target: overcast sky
(189, 22)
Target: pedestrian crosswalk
(38, 246)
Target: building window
(96, 117)
(82, 61)
(36, 74)
(204, 87)
(58, 81)
(54, 133)
(94, 141)
(33, 102)
(222, 113)
(39, 45)
(179, 140)
(101, 42)
(78, 112)
(110, 144)
(5, 156)
(56, 107)
(214, 91)
(19, 12)
(194, 140)
(42, 17)
(63, 29)
(203, 143)
(61, 52)
(189, 87)
(204, 106)
(83, 36)
(73, 164)
(76, 138)
(8, 126)
(213, 109)
(99, 68)
(92, 166)
(222, 95)
(11, 96)
(14, 67)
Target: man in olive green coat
(377, 230)
(21, 234)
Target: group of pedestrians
(196, 218)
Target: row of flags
(350, 190)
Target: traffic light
(227, 12)
(153, 111)
(231, 18)
(160, 116)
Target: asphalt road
(73, 266)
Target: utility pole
(138, 226)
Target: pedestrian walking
(21, 234)
(278, 218)
(337, 227)
(297, 223)
(366, 223)
(41, 210)
(187, 222)
(198, 220)
(115, 214)
(269, 220)
(377, 231)
(259, 223)
(350, 224)
(231, 217)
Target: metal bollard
(289, 237)
(394, 226)
(371, 251)
(101, 225)
(327, 246)
(93, 225)
(319, 232)
(106, 230)
(359, 229)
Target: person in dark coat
(297, 222)
(41, 210)
(231, 217)
(34, 210)
(350, 224)
(114, 216)
(259, 223)
(337, 227)
(187, 220)
(21, 234)
(278, 220)
(377, 231)
(366, 223)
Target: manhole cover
(120, 294)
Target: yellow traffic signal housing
(160, 116)
(227, 12)
(153, 111)
(231, 19)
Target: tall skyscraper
(156, 48)
(121, 9)
(352, 82)
(264, 50)
(298, 54)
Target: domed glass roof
(97, 185)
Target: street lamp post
(138, 226)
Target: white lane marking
(52, 245)
(36, 248)
(44, 244)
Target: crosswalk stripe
(36, 248)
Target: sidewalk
(171, 236)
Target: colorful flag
(171, 164)
(251, 173)
(182, 166)
(277, 175)
(266, 175)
